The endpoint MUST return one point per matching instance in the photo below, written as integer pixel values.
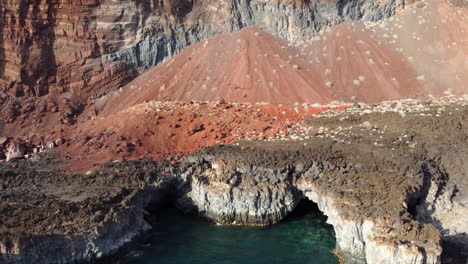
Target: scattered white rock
(14, 151)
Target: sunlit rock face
(92, 46)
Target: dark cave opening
(455, 249)
(303, 208)
(177, 236)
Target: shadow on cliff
(40, 71)
(2, 43)
(455, 249)
(49, 63)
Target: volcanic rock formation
(262, 68)
(91, 47)
(352, 61)
(379, 174)
(390, 176)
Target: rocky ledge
(391, 180)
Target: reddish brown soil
(29, 115)
(158, 130)
(155, 130)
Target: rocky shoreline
(392, 183)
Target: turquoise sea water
(183, 239)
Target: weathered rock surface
(374, 182)
(89, 47)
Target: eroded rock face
(119, 228)
(369, 241)
(375, 219)
(88, 47)
(238, 196)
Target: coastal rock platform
(391, 179)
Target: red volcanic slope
(354, 61)
(157, 130)
(253, 66)
(245, 66)
(433, 35)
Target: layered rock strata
(380, 177)
(89, 47)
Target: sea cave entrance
(302, 237)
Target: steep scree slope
(246, 66)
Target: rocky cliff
(389, 179)
(89, 47)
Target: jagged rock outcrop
(89, 47)
(375, 219)
(369, 241)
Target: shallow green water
(181, 239)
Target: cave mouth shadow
(162, 213)
(455, 249)
(304, 208)
(166, 204)
(2, 43)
